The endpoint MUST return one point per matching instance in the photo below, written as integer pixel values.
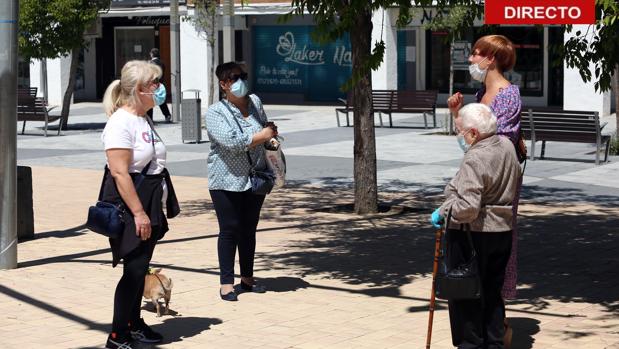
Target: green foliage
(598, 45)
(52, 28)
(614, 146)
(205, 18)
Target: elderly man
(480, 196)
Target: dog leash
(157, 276)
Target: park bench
(31, 108)
(564, 126)
(31, 91)
(393, 101)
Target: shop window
(527, 73)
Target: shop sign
(539, 12)
(286, 60)
(142, 3)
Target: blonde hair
(478, 116)
(499, 47)
(123, 91)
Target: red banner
(539, 12)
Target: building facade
(287, 66)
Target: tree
(600, 46)
(55, 28)
(333, 19)
(205, 22)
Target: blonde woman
(136, 177)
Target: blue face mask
(462, 143)
(239, 88)
(159, 95)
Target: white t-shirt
(128, 131)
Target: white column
(578, 95)
(194, 59)
(386, 76)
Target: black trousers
(128, 296)
(164, 110)
(479, 323)
(238, 214)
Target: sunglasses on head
(235, 77)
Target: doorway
(132, 43)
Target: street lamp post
(8, 134)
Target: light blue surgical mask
(239, 88)
(462, 143)
(159, 95)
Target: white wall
(35, 76)
(386, 76)
(194, 62)
(578, 95)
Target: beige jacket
(482, 191)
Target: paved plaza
(335, 280)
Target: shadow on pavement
(177, 328)
(524, 330)
(283, 284)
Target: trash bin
(25, 215)
(190, 117)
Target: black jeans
(164, 110)
(478, 323)
(128, 296)
(238, 214)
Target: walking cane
(437, 251)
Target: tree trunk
(366, 192)
(68, 93)
(211, 43)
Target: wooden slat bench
(381, 104)
(393, 101)
(564, 126)
(415, 102)
(31, 108)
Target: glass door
(132, 43)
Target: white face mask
(477, 73)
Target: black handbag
(461, 281)
(262, 181)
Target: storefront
(287, 66)
(127, 38)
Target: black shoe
(255, 288)
(168, 119)
(140, 331)
(119, 342)
(230, 296)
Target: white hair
(480, 117)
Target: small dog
(156, 286)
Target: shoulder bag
(461, 281)
(262, 181)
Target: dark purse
(521, 148)
(461, 281)
(106, 219)
(262, 181)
